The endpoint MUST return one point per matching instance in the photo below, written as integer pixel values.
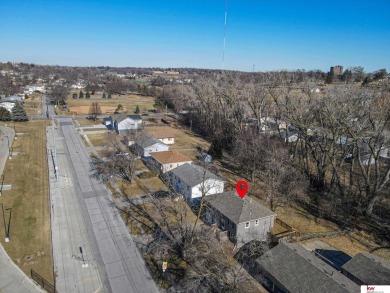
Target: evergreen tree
(81, 95)
(5, 115)
(137, 110)
(104, 95)
(109, 96)
(18, 113)
(87, 95)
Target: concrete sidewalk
(12, 279)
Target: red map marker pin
(241, 188)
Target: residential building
(123, 124)
(289, 267)
(144, 146)
(192, 181)
(168, 160)
(367, 269)
(164, 134)
(244, 219)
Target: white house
(124, 124)
(192, 181)
(168, 160)
(144, 146)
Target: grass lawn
(30, 240)
(129, 102)
(142, 186)
(98, 139)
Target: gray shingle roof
(192, 174)
(122, 117)
(369, 268)
(236, 209)
(147, 141)
(135, 117)
(298, 270)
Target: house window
(256, 222)
(247, 225)
(222, 223)
(170, 166)
(170, 138)
(231, 224)
(188, 188)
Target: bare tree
(59, 94)
(95, 110)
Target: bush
(149, 174)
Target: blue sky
(272, 35)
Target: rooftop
(299, 270)
(147, 141)
(193, 175)
(236, 209)
(167, 157)
(369, 268)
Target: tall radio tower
(224, 37)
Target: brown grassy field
(98, 139)
(129, 102)
(142, 186)
(30, 242)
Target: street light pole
(9, 149)
(16, 136)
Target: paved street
(69, 231)
(99, 230)
(12, 279)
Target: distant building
(144, 146)
(336, 70)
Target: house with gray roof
(192, 181)
(244, 219)
(367, 269)
(124, 124)
(289, 267)
(146, 145)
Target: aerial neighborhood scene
(204, 146)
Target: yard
(30, 242)
(142, 186)
(185, 141)
(98, 139)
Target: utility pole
(2, 182)
(55, 153)
(5, 227)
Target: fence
(42, 282)
(291, 232)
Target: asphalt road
(108, 244)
